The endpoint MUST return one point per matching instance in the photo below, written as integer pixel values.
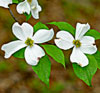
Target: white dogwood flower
(5, 3)
(24, 33)
(29, 6)
(82, 44)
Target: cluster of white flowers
(27, 6)
(81, 44)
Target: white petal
(39, 8)
(33, 54)
(79, 57)
(35, 11)
(88, 49)
(65, 36)
(43, 35)
(62, 44)
(12, 47)
(23, 31)
(34, 3)
(81, 29)
(87, 40)
(5, 3)
(23, 7)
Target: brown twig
(18, 21)
(12, 14)
(50, 43)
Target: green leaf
(64, 26)
(55, 53)
(87, 72)
(20, 53)
(21, 0)
(43, 69)
(93, 33)
(97, 57)
(15, 1)
(39, 26)
(27, 16)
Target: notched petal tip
(52, 31)
(35, 63)
(2, 47)
(38, 58)
(79, 57)
(7, 56)
(59, 45)
(81, 29)
(22, 31)
(12, 47)
(23, 7)
(95, 49)
(36, 17)
(33, 55)
(88, 26)
(14, 25)
(56, 40)
(40, 8)
(82, 65)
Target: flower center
(29, 42)
(29, 1)
(77, 43)
(33, 7)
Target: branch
(50, 43)
(18, 21)
(12, 14)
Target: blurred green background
(17, 77)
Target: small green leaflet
(87, 72)
(97, 57)
(27, 16)
(43, 69)
(67, 27)
(39, 26)
(17, 1)
(20, 53)
(55, 53)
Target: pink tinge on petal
(33, 54)
(79, 57)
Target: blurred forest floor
(17, 77)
